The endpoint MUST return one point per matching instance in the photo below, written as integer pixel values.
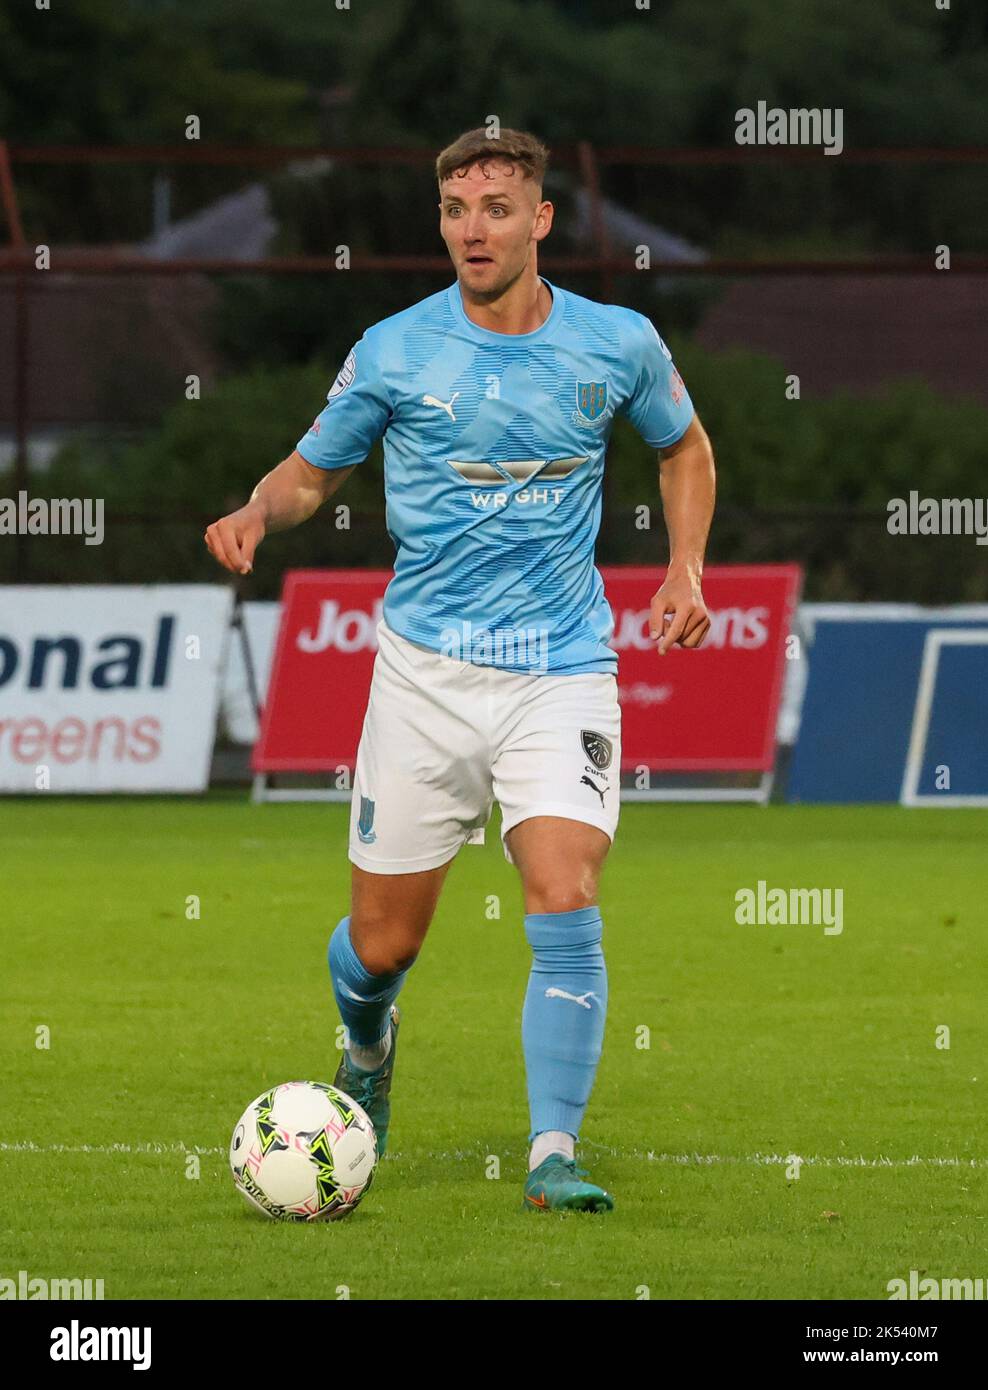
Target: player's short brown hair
(477, 146)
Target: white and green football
(304, 1151)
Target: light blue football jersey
(494, 448)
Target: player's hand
(679, 615)
(233, 539)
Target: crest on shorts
(598, 749)
(591, 398)
(365, 825)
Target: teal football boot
(557, 1185)
(371, 1089)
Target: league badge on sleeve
(658, 335)
(344, 378)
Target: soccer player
(493, 678)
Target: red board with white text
(713, 709)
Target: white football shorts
(443, 739)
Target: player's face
(491, 220)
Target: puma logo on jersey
(442, 405)
(581, 999)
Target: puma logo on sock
(581, 999)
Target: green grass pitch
(765, 1041)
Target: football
(304, 1151)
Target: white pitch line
(818, 1160)
(27, 1146)
(757, 1160)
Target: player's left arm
(687, 484)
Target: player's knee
(550, 896)
(385, 960)
(384, 948)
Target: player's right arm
(285, 497)
(357, 411)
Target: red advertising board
(714, 709)
(321, 671)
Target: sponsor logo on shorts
(599, 750)
(365, 831)
(590, 783)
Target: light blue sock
(363, 999)
(562, 1023)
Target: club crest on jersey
(591, 398)
(598, 749)
(365, 831)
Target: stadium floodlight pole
(18, 244)
(590, 174)
(21, 412)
